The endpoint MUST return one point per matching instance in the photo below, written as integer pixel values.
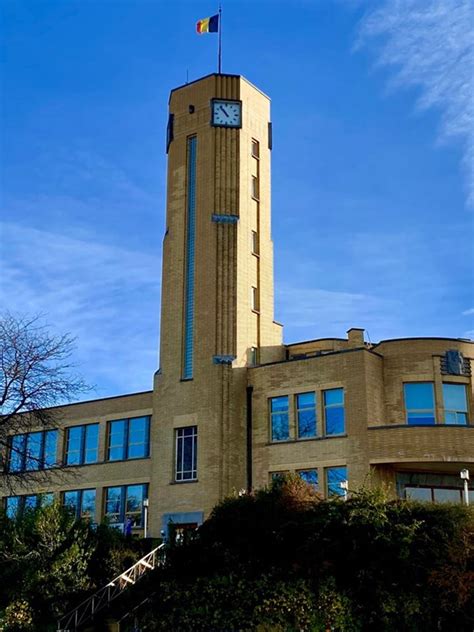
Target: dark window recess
(169, 132)
(270, 136)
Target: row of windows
(126, 439)
(122, 504)
(306, 415)
(420, 403)
(335, 483)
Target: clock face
(226, 113)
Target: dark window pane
(138, 438)
(71, 500)
(88, 504)
(310, 477)
(419, 396)
(113, 504)
(336, 476)
(134, 504)
(73, 445)
(420, 418)
(307, 423)
(47, 499)
(279, 403)
(116, 440)
(446, 495)
(12, 506)
(33, 450)
(418, 493)
(305, 400)
(280, 427)
(333, 396)
(91, 445)
(17, 453)
(335, 420)
(50, 447)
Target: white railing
(88, 608)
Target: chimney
(355, 337)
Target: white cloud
(431, 45)
(105, 296)
(468, 312)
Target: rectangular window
(455, 404)
(188, 336)
(279, 418)
(255, 148)
(82, 444)
(254, 243)
(125, 503)
(33, 451)
(81, 502)
(306, 415)
(186, 454)
(12, 506)
(253, 356)
(255, 188)
(334, 415)
(334, 477)
(419, 403)
(310, 477)
(254, 299)
(128, 439)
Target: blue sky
(373, 184)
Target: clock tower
(217, 282)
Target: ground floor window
(17, 505)
(81, 502)
(124, 505)
(310, 477)
(336, 480)
(438, 488)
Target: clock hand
(222, 108)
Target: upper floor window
(33, 451)
(419, 403)
(254, 299)
(306, 414)
(455, 403)
(128, 439)
(254, 242)
(82, 444)
(255, 148)
(186, 454)
(125, 503)
(81, 502)
(336, 479)
(310, 477)
(279, 418)
(334, 415)
(255, 188)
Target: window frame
(299, 409)
(255, 143)
(122, 513)
(125, 456)
(255, 188)
(272, 413)
(181, 448)
(328, 485)
(82, 450)
(333, 406)
(420, 410)
(22, 452)
(456, 412)
(254, 299)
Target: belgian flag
(208, 25)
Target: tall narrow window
(334, 415)
(12, 506)
(254, 299)
(306, 415)
(186, 454)
(419, 403)
(255, 148)
(255, 188)
(279, 418)
(455, 404)
(334, 477)
(254, 243)
(188, 337)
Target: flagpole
(219, 52)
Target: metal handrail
(88, 608)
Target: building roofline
(315, 357)
(467, 340)
(305, 342)
(216, 74)
(99, 399)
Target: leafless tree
(36, 375)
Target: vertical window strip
(189, 269)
